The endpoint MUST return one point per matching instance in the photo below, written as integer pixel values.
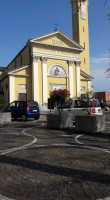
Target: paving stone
(67, 171)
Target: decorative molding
(22, 75)
(70, 62)
(44, 59)
(78, 62)
(56, 56)
(57, 70)
(86, 79)
(17, 69)
(35, 58)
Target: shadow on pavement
(76, 174)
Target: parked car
(23, 110)
(78, 107)
(104, 104)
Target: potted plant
(90, 123)
(60, 99)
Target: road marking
(108, 198)
(5, 198)
(91, 147)
(76, 139)
(3, 152)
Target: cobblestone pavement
(58, 165)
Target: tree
(108, 15)
(108, 69)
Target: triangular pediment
(59, 39)
(22, 70)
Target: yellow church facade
(49, 62)
(46, 63)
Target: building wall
(26, 75)
(23, 81)
(105, 96)
(81, 33)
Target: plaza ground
(37, 163)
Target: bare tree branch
(108, 15)
(105, 2)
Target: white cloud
(97, 68)
(98, 61)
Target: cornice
(23, 75)
(57, 46)
(56, 56)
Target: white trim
(56, 56)
(78, 78)
(11, 89)
(61, 47)
(27, 75)
(35, 79)
(18, 69)
(71, 82)
(44, 74)
(87, 75)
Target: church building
(52, 61)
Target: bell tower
(80, 30)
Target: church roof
(2, 68)
(86, 75)
(60, 35)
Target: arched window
(57, 71)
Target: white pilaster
(71, 81)
(78, 78)
(35, 79)
(44, 74)
(11, 89)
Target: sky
(21, 20)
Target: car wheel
(36, 118)
(23, 118)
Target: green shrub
(2, 103)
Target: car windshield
(85, 104)
(33, 104)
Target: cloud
(100, 60)
(98, 67)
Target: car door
(11, 108)
(20, 109)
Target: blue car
(23, 110)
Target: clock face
(83, 10)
